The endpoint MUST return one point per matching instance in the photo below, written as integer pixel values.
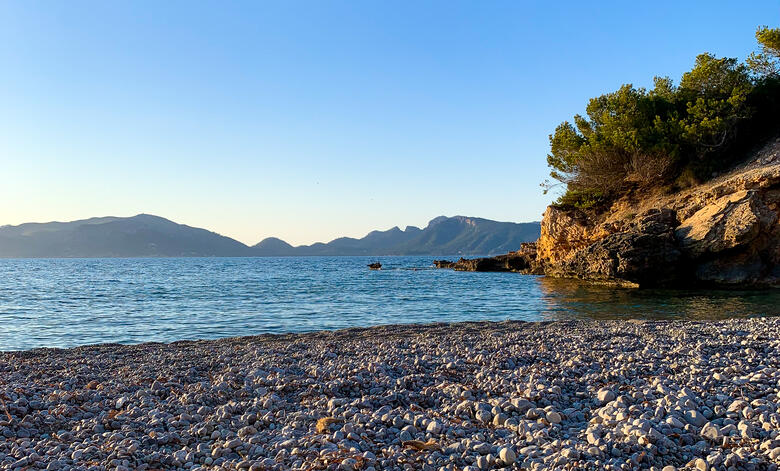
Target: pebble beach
(615, 395)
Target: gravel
(468, 396)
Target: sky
(310, 120)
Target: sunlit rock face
(724, 232)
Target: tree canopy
(634, 138)
(766, 62)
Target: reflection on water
(565, 299)
(67, 302)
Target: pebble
(434, 427)
(612, 395)
(553, 417)
(694, 418)
(507, 455)
(605, 395)
(711, 432)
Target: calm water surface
(68, 302)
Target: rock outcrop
(722, 233)
(641, 255)
(725, 232)
(522, 261)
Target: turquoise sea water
(69, 302)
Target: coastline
(461, 396)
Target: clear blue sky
(311, 120)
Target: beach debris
(5, 408)
(421, 445)
(324, 423)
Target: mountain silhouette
(145, 235)
(442, 236)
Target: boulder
(730, 222)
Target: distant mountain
(138, 236)
(152, 236)
(443, 236)
(275, 246)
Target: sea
(61, 303)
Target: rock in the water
(520, 261)
(645, 255)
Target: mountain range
(145, 235)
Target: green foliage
(634, 139)
(766, 62)
(582, 199)
(565, 144)
(714, 93)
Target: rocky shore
(722, 233)
(522, 261)
(564, 395)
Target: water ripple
(68, 302)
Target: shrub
(582, 199)
(646, 171)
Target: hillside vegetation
(671, 136)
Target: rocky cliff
(725, 232)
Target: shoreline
(574, 394)
(324, 334)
